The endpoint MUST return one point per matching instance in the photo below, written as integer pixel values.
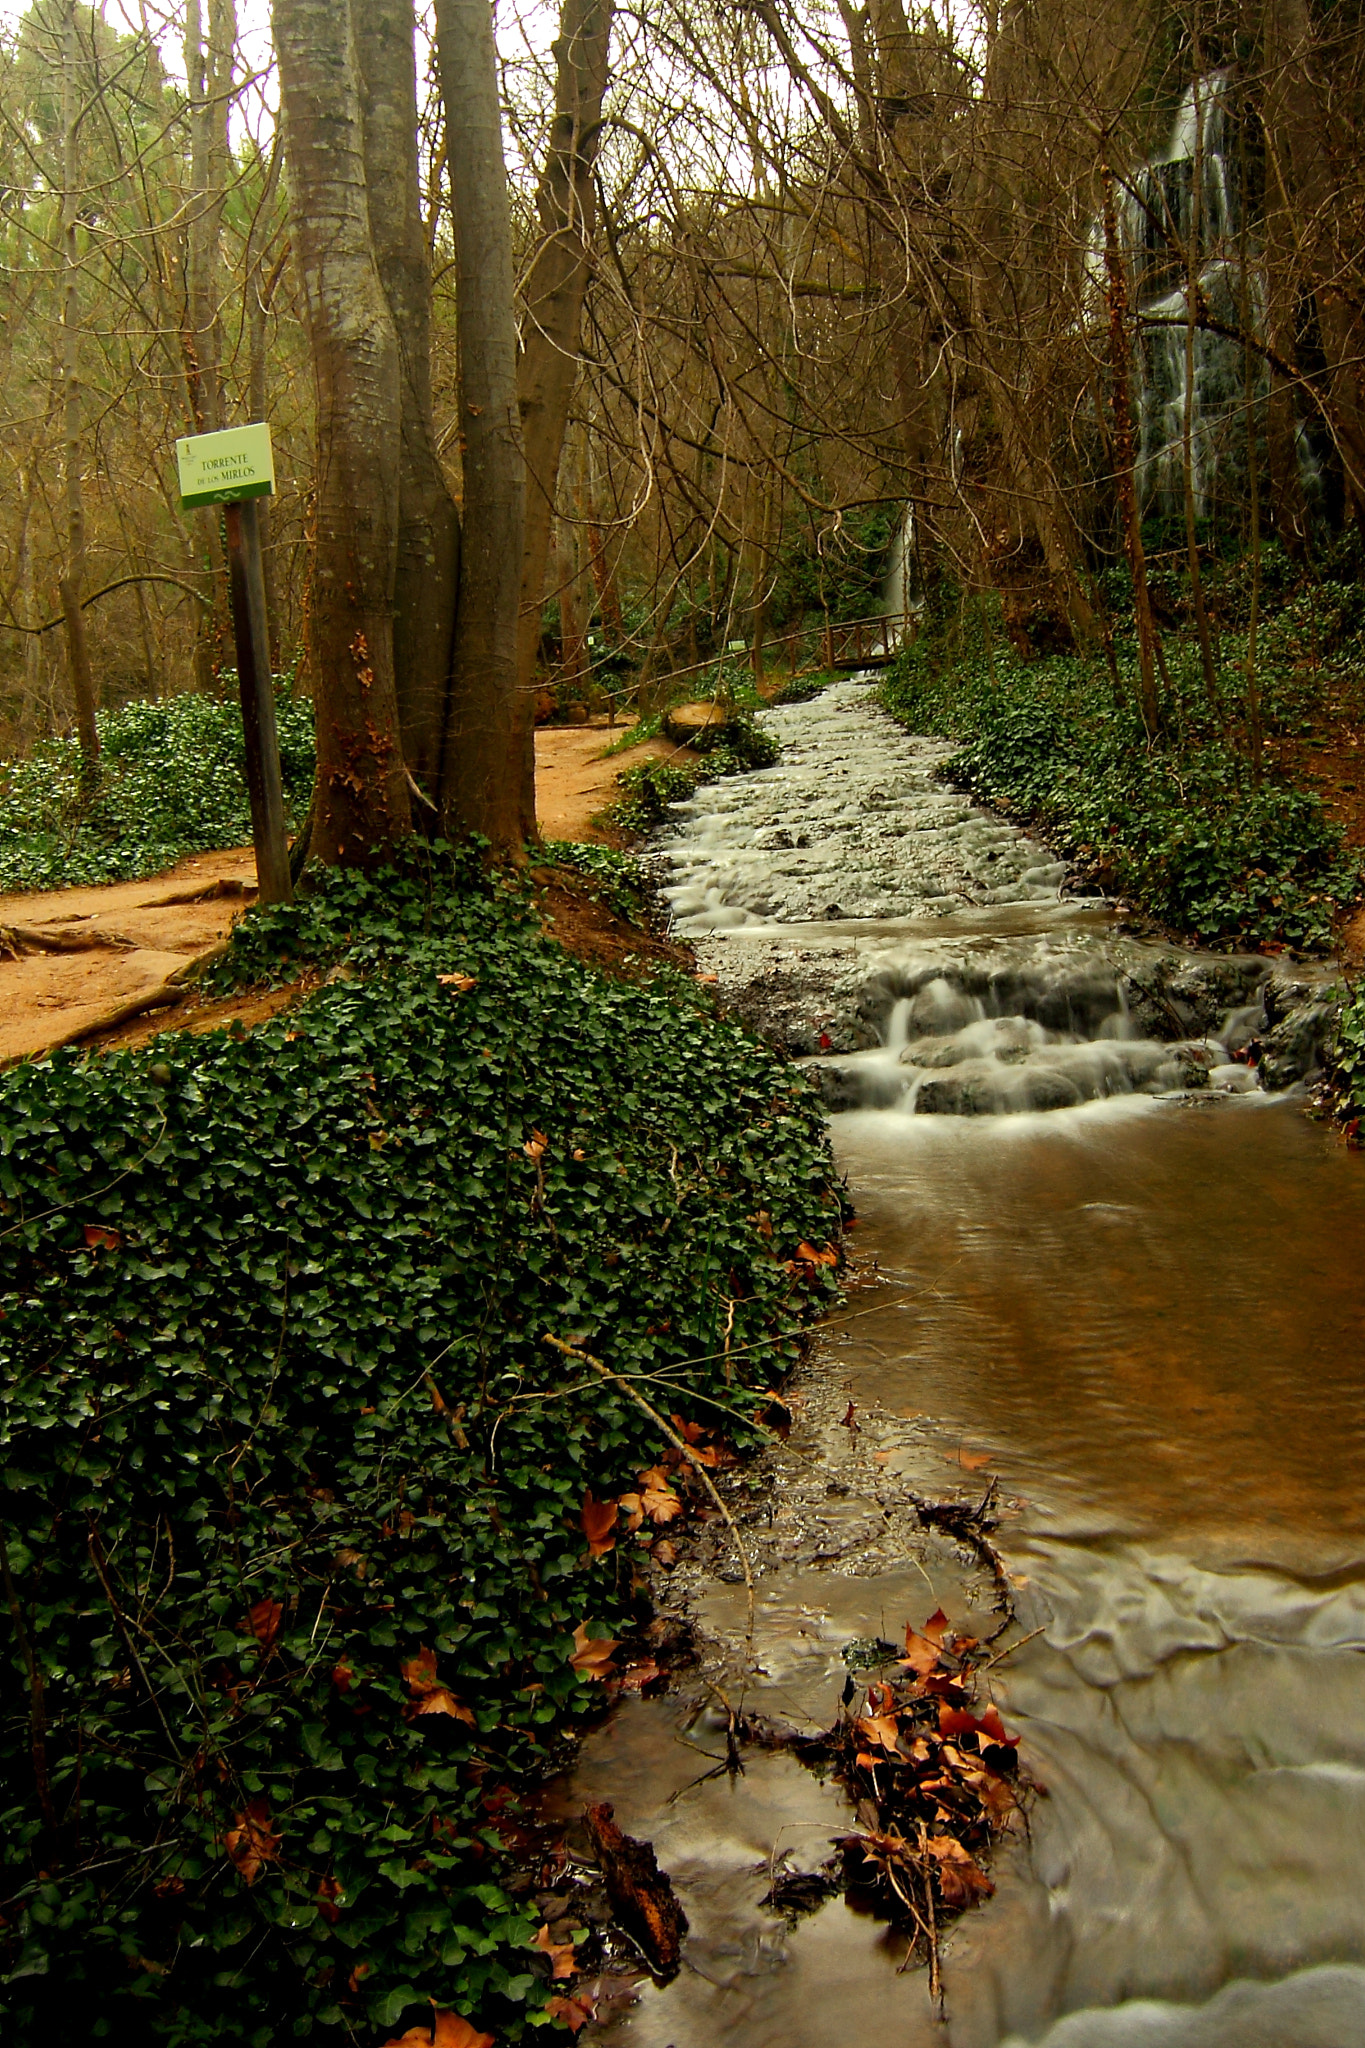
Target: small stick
(573, 1351)
(935, 1980)
(1001, 1655)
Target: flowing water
(1139, 1304)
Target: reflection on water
(1150, 1315)
(1153, 1313)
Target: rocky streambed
(920, 951)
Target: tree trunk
(1187, 430)
(481, 787)
(1125, 483)
(71, 585)
(428, 569)
(361, 800)
(260, 290)
(553, 295)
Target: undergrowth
(295, 1494)
(1346, 1061)
(1178, 824)
(648, 788)
(171, 781)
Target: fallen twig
(679, 1443)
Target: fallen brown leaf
(636, 1676)
(253, 1841)
(828, 1257)
(264, 1622)
(599, 1519)
(575, 2012)
(632, 1507)
(592, 1654)
(561, 1953)
(960, 1879)
(665, 1552)
(536, 1146)
(429, 1696)
(970, 1461)
(661, 1504)
(882, 1728)
(447, 2030)
(461, 983)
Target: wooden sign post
(233, 469)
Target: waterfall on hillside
(1191, 193)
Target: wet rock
(1294, 1049)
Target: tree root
(18, 939)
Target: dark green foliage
(842, 573)
(1178, 826)
(172, 781)
(650, 787)
(275, 1311)
(1346, 1065)
(613, 874)
(801, 689)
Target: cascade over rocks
(923, 954)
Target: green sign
(216, 468)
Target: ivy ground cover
(301, 1515)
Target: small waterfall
(972, 1041)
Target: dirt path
(574, 782)
(78, 955)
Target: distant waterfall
(1160, 216)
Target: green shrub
(1346, 1064)
(1177, 825)
(172, 781)
(280, 1434)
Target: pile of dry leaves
(934, 1781)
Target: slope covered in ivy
(293, 1488)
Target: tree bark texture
(426, 587)
(1121, 413)
(72, 580)
(361, 799)
(551, 322)
(481, 784)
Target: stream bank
(1137, 1309)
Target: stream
(1103, 1263)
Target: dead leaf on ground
(561, 1953)
(461, 983)
(970, 1461)
(665, 1552)
(592, 1654)
(662, 1505)
(882, 1728)
(264, 1622)
(98, 1237)
(807, 1252)
(447, 2030)
(961, 1880)
(637, 1676)
(252, 1841)
(536, 1146)
(429, 1696)
(632, 1507)
(575, 2012)
(599, 1519)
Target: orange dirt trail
(47, 997)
